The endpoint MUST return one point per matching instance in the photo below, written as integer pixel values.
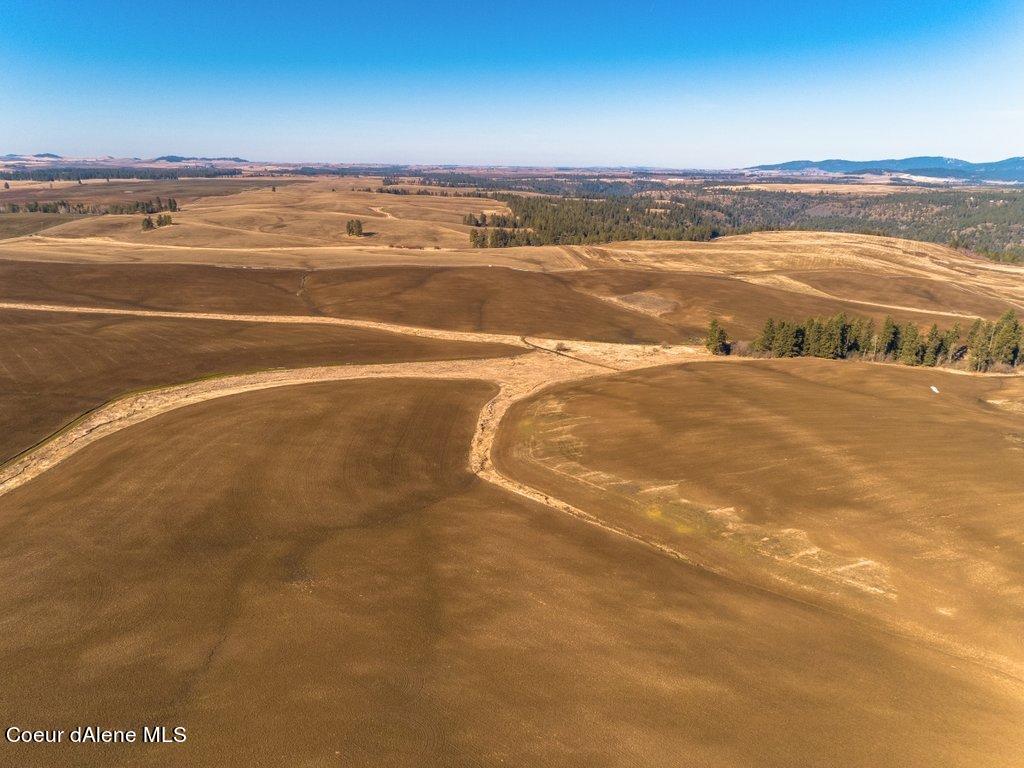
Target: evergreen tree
(932, 347)
(499, 238)
(950, 345)
(834, 332)
(354, 227)
(979, 355)
(814, 332)
(889, 339)
(856, 340)
(789, 340)
(782, 340)
(910, 345)
(764, 342)
(147, 223)
(716, 340)
(1005, 346)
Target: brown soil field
(172, 287)
(127, 190)
(479, 299)
(352, 253)
(21, 224)
(497, 300)
(852, 485)
(307, 575)
(55, 367)
(917, 292)
(688, 301)
(602, 304)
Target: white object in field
(935, 390)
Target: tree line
(127, 172)
(987, 345)
(405, 191)
(67, 207)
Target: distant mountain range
(41, 155)
(180, 159)
(1011, 169)
(48, 158)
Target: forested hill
(990, 223)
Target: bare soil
(306, 574)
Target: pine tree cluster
(163, 220)
(565, 221)
(716, 340)
(988, 345)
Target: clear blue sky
(587, 82)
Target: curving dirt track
(55, 366)
(430, 333)
(517, 376)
